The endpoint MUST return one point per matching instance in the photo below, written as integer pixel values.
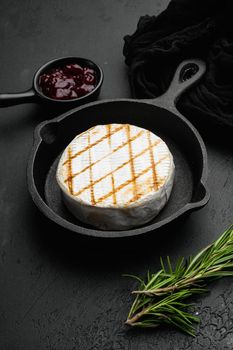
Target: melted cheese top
(114, 165)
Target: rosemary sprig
(160, 300)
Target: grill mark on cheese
(118, 168)
(145, 187)
(153, 166)
(113, 151)
(94, 143)
(112, 175)
(69, 170)
(131, 162)
(101, 199)
(90, 174)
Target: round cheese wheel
(116, 176)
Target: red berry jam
(68, 82)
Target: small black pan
(35, 94)
(158, 115)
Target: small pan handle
(187, 73)
(11, 99)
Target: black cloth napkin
(186, 29)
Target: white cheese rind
(122, 209)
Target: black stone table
(65, 292)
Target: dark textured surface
(55, 292)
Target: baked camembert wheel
(116, 176)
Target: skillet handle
(187, 74)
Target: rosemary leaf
(160, 299)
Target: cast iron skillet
(158, 115)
